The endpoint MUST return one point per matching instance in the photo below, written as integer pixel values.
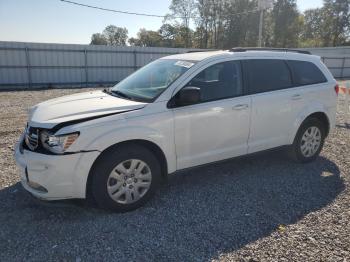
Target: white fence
(50, 65)
(33, 65)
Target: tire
(298, 150)
(125, 178)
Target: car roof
(199, 56)
(196, 56)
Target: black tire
(109, 160)
(295, 151)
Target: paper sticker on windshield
(184, 64)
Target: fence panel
(54, 65)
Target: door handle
(296, 97)
(240, 107)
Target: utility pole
(261, 21)
(262, 5)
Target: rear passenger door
(270, 87)
(311, 86)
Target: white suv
(177, 112)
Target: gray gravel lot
(256, 208)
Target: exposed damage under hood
(79, 107)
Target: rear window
(306, 73)
(268, 75)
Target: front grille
(32, 137)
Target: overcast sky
(53, 21)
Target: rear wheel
(309, 141)
(125, 178)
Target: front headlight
(57, 144)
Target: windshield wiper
(121, 94)
(117, 93)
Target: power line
(112, 10)
(143, 14)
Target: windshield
(147, 83)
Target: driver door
(217, 128)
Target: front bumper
(53, 177)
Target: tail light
(336, 89)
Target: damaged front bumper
(53, 177)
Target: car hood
(85, 105)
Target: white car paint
(211, 131)
(64, 176)
(187, 136)
(77, 106)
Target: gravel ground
(256, 208)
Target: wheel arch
(154, 148)
(323, 118)
(320, 115)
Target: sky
(53, 21)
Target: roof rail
(243, 49)
(201, 50)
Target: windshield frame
(138, 98)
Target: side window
(268, 75)
(219, 81)
(306, 73)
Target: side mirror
(188, 95)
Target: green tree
(202, 33)
(311, 35)
(168, 34)
(116, 36)
(175, 35)
(286, 24)
(146, 38)
(223, 24)
(336, 24)
(327, 26)
(226, 23)
(183, 10)
(111, 35)
(98, 39)
(242, 24)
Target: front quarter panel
(151, 123)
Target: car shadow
(198, 215)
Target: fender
(101, 133)
(123, 134)
(129, 133)
(315, 107)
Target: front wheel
(125, 178)
(309, 141)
